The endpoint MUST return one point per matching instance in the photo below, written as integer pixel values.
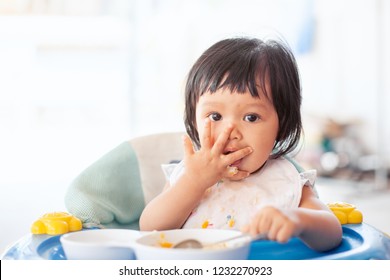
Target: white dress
(231, 204)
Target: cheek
(200, 133)
(263, 146)
(199, 125)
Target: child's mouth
(237, 162)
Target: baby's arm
(171, 208)
(312, 222)
(202, 169)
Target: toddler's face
(254, 120)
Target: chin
(256, 168)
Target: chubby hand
(209, 164)
(279, 224)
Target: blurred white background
(78, 78)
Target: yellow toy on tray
(55, 223)
(346, 213)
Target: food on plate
(163, 242)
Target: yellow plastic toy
(346, 213)
(56, 223)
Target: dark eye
(214, 117)
(251, 118)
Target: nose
(236, 132)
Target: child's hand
(279, 224)
(209, 165)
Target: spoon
(196, 244)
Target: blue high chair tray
(51, 249)
(360, 242)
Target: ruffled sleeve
(172, 171)
(308, 178)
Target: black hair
(242, 64)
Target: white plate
(148, 247)
(100, 244)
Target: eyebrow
(263, 105)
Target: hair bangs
(239, 76)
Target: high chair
(113, 191)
